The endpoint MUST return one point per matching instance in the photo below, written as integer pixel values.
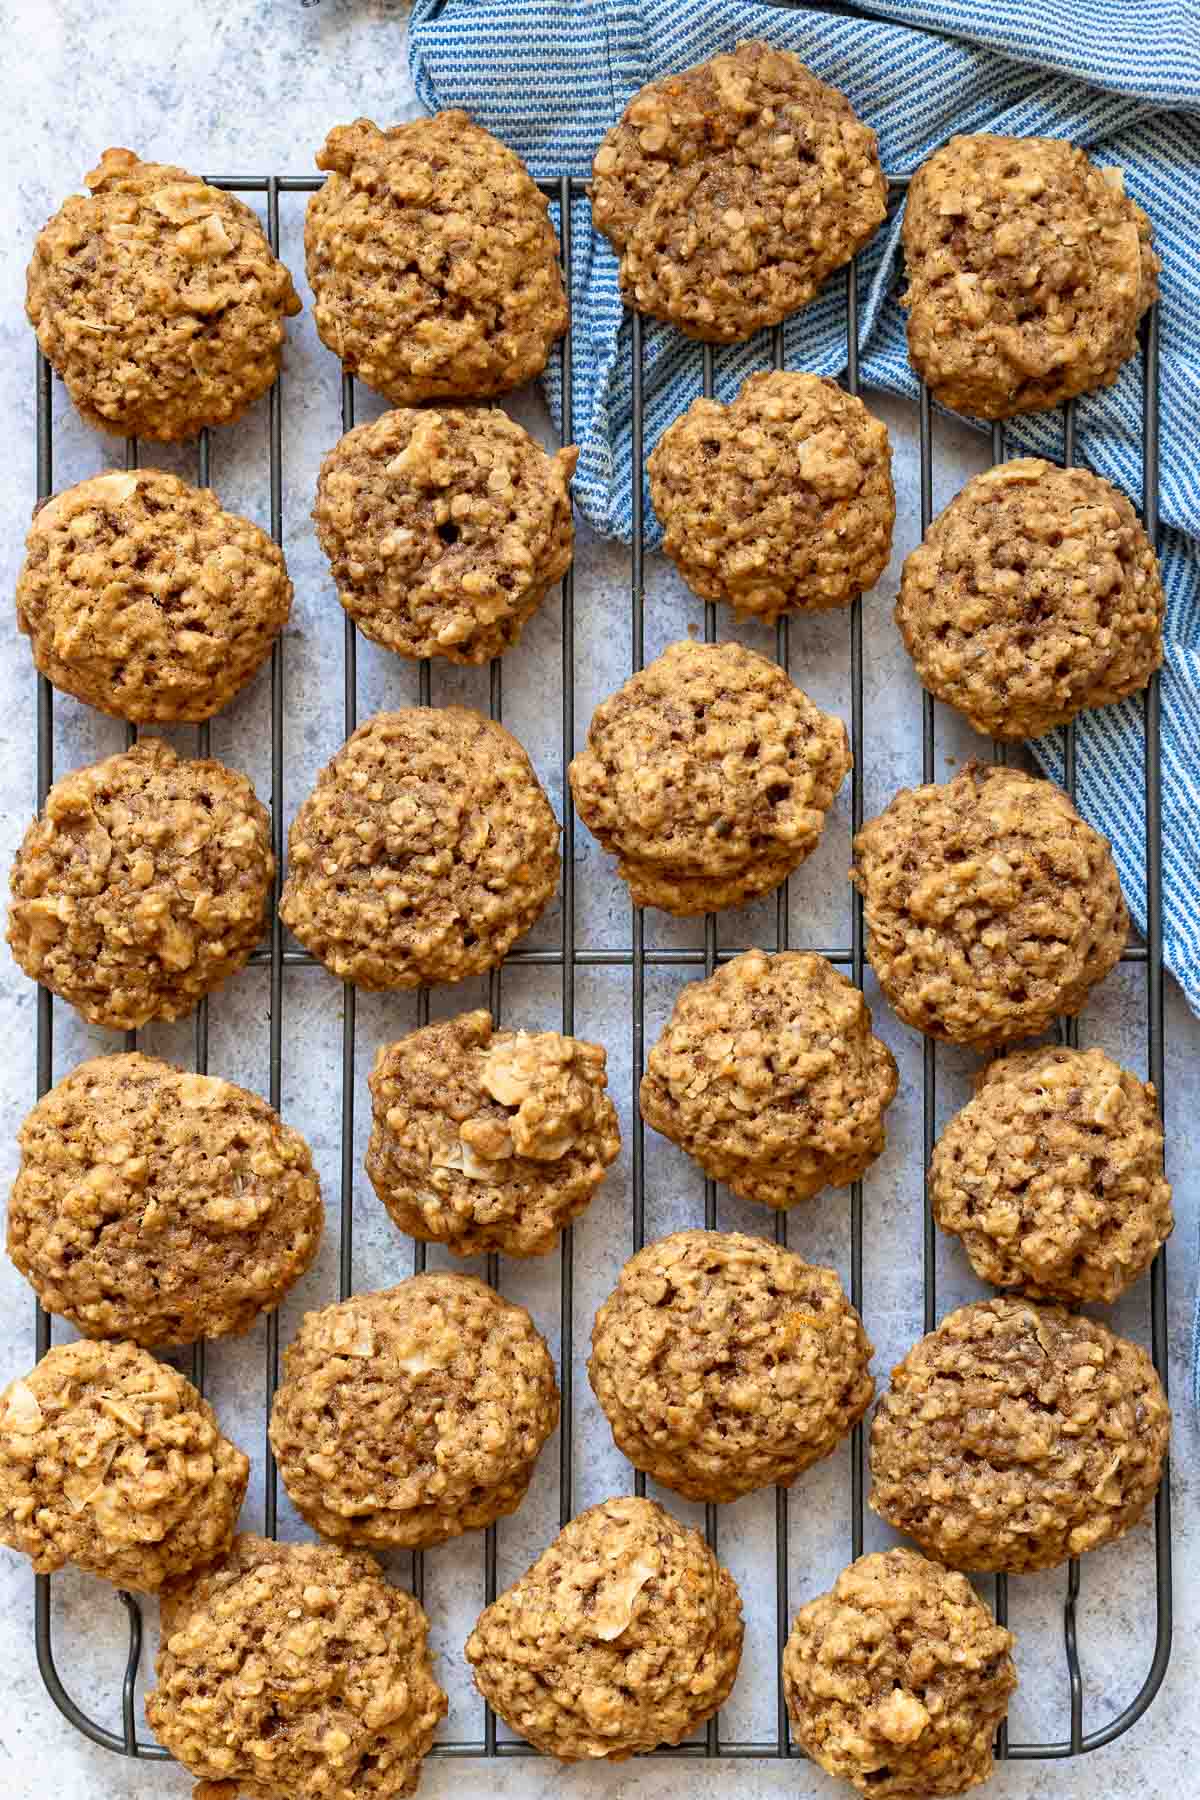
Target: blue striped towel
(1123, 81)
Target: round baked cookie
(1052, 1175)
(160, 1206)
(293, 1671)
(409, 1416)
(1034, 595)
(158, 300)
(142, 596)
(897, 1679)
(111, 1460)
(732, 190)
(426, 849)
(708, 776)
(489, 1140)
(1018, 1435)
(769, 1075)
(725, 1363)
(990, 905)
(143, 886)
(445, 529)
(432, 260)
(780, 502)
(1028, 271)
(624, 1634)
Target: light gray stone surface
(250, 86)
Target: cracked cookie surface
(781, 501)
(732, 190)
(158, 300)
(990, 905)
(486, 1139)
(1028, 271)
(432, 260)
(898, 1677)
(160, 1206)
(1017, 1435)
(725, 1363)
(1052, 1175)
(425, 850)
(1034, 595)
(295, 1672)
(111, 1460)
(143, 597)
(143, 886)
(768, 1074)
(624, 1634)
(409, 1416)
(445, 529)
(708, 775)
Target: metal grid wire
(570, 956)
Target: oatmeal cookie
(769, 1075)
(158, 300)
(991, 905)
(295, 1672)
(708, 776)
(625, 1633)
(1035, 594)
(1052, 1175)
(409, 1416)
(780, 502)
(445, 529)
(142, 596)
(486, 1139)
(898, 1677)
(1017, 1435)
(432, 260)
(732, 190)
(143, 886)
(112, 1461)
(1028, 271)
(724, 1363)
(426, 849)
(160, 1206)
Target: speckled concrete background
(252, 86)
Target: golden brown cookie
(898, 1677)
(112, 1461)
(158, 300)
(780, 502)
(432, 260)
(1052, 1175)
(445, 529)
(143, 886)
(625, 1633)
(486, 1139)
(769, 1075)
(732, 190)
(991, 906)
(1028, 271)
(409, 1416)
(142, 596)
(1017, 1435)
(160, 1206)
(426, 849)
(295, 1672)
(724, 1363)
(1035, 594)
(708, 776)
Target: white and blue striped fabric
(550, 76)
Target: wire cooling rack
(570, 956)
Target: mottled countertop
(251, 86)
